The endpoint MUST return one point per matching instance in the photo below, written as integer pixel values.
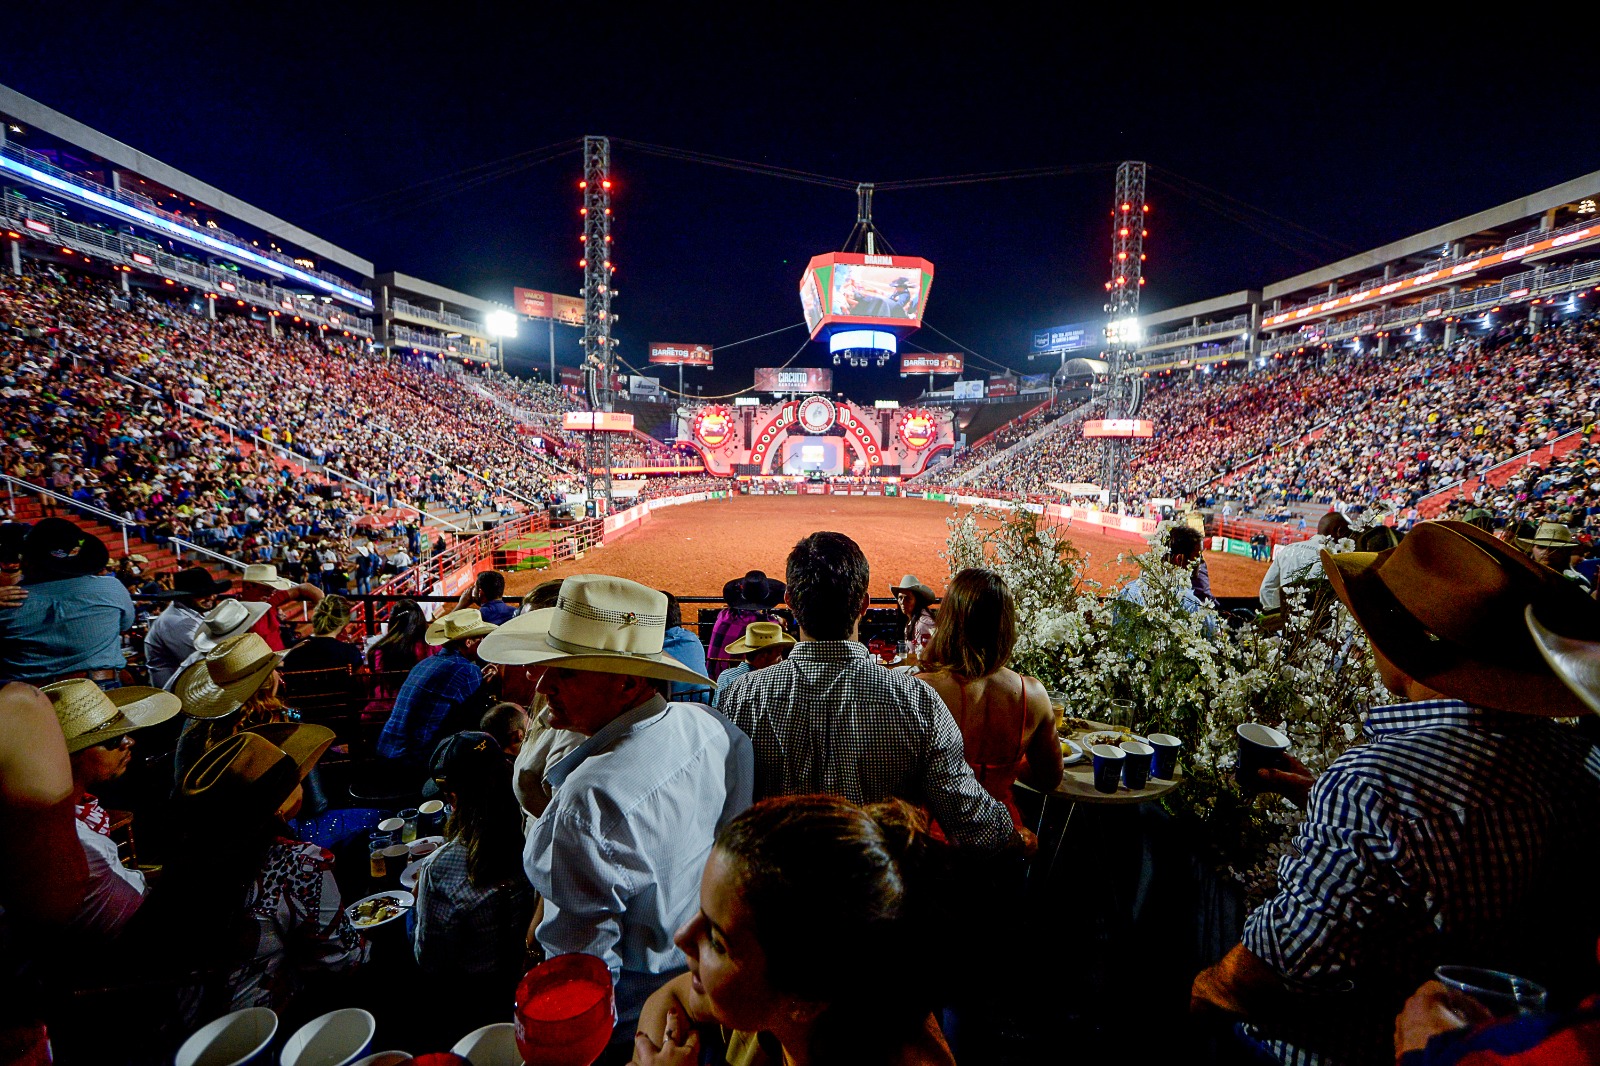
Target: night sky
(1360, 134)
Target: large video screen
(877, 292)
(813, 455)
(848, 290)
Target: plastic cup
(393, 827)
(1136, 767)
(408, 825)
(492, 1045)
(394, 860)
(1165, 761)
(377, 861)
(230, 1040)
(334, 1039)
(431, 817)
(1107, 767)
(565, 1011)
(1503, 994)
(1260, 748)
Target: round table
(1077, 786)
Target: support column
(272, 326)
(1449, 333)
(122, 276)
(16, 257)
(1333, 289)
(1383, 344)
(211, 309)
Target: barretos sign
(586, 421)
(1119, 427)
(683, 354)
(930, 363)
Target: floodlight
(501, 323)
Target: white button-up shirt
(618, 853)
(1290, 563)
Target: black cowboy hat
(195, 581)
(55, 547)
(755, 589)
(12, 537)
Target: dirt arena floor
(692, 549)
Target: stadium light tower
(599, 347)
(1128, 216)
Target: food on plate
(1074, 725)
(375, 910)
(1104, 736)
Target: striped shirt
(1456, 836)
(830, 719)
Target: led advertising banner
(851, 291)
(1069, 338)
(639, 385)
(1002, 386)
(567, 310)
(571, 375)
(1035, 382)
(585, 421)
(669, 352)
(930, 362)
(1119, 427)
(969, 390)
(801, 379)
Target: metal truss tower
(1124, 388)
(599, 347)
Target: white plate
(1074, 752)
(1105, 736)
(413, 872)
(405, 900)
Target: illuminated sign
(713, 426)
(588, 421)
(816, 414)
(1119, 427)
(681, 354)
(227, 286)
(37, 227)
(930, 363)
(1068, 338)
(567, 310)
(851, 290)
(856, 340)
(805, 379)
(918, 429)
(145, 260)
(1420, 280)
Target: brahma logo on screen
(917, 429)
(713, 426)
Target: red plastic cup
(565, 1011)
(438, 1058)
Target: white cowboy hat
(608, 625)
(266, 574)
(229, 618)
(229, 675)
(90, 716)
(1554, 535)
(457, 625)
(758, 635)
(1576, 662)
(910, 583)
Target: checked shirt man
(830, 719)
(440, 691)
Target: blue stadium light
(117, 207)
(849, 340)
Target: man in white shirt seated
(1302, 561)
(99, 726)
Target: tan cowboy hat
(1446, 606)
(758, 635)
(910, 583)
(249, 774)
(608, 625)
(1553, 535)
(458, 625)
(229, 675)
(266, 574)
(229, 618)
(90, 716)
(1576, 662)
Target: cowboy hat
(195, 581)
(910, 583)
(266, 574)
(464, 624)
(90, 716)
(1576, 662)
(58, 548)
(758, 635)
(755, 589)
(229, 618)
(249, 774)
(1553, 535)
(1446, 607)
(608, 625)
(229, 675)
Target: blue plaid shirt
(433, 689)
(1457, 835)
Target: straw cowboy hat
(256, 770)
(266, 574)
(910, 583)
(58, 548)
(464, 624)
(1446, 607)
(90, 716)
(1553, 535)
(755, 589)
(229, 675)
(1576, 662)
(229, 618)
(758, 635)
(608, 625)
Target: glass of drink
(377, 862)
(565, 1011)
(1503, 993)
(408, 831)
(1119, 714)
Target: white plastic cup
(335, 1039)
(231, 1040)
(384, 1058)
(492, 1045)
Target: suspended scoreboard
(879, 298)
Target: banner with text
(639, 385)
(801, 379)
(567, 310)
(683, 354)
(1069, 338)
(584, 421)
(930, 362)
(969, 390)
(1002, 386)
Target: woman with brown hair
(819, 939)
(1006, 720)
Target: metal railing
(1207, 329)
(444, 318)
(122, 524)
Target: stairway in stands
(160, 559)
(1433, 505)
